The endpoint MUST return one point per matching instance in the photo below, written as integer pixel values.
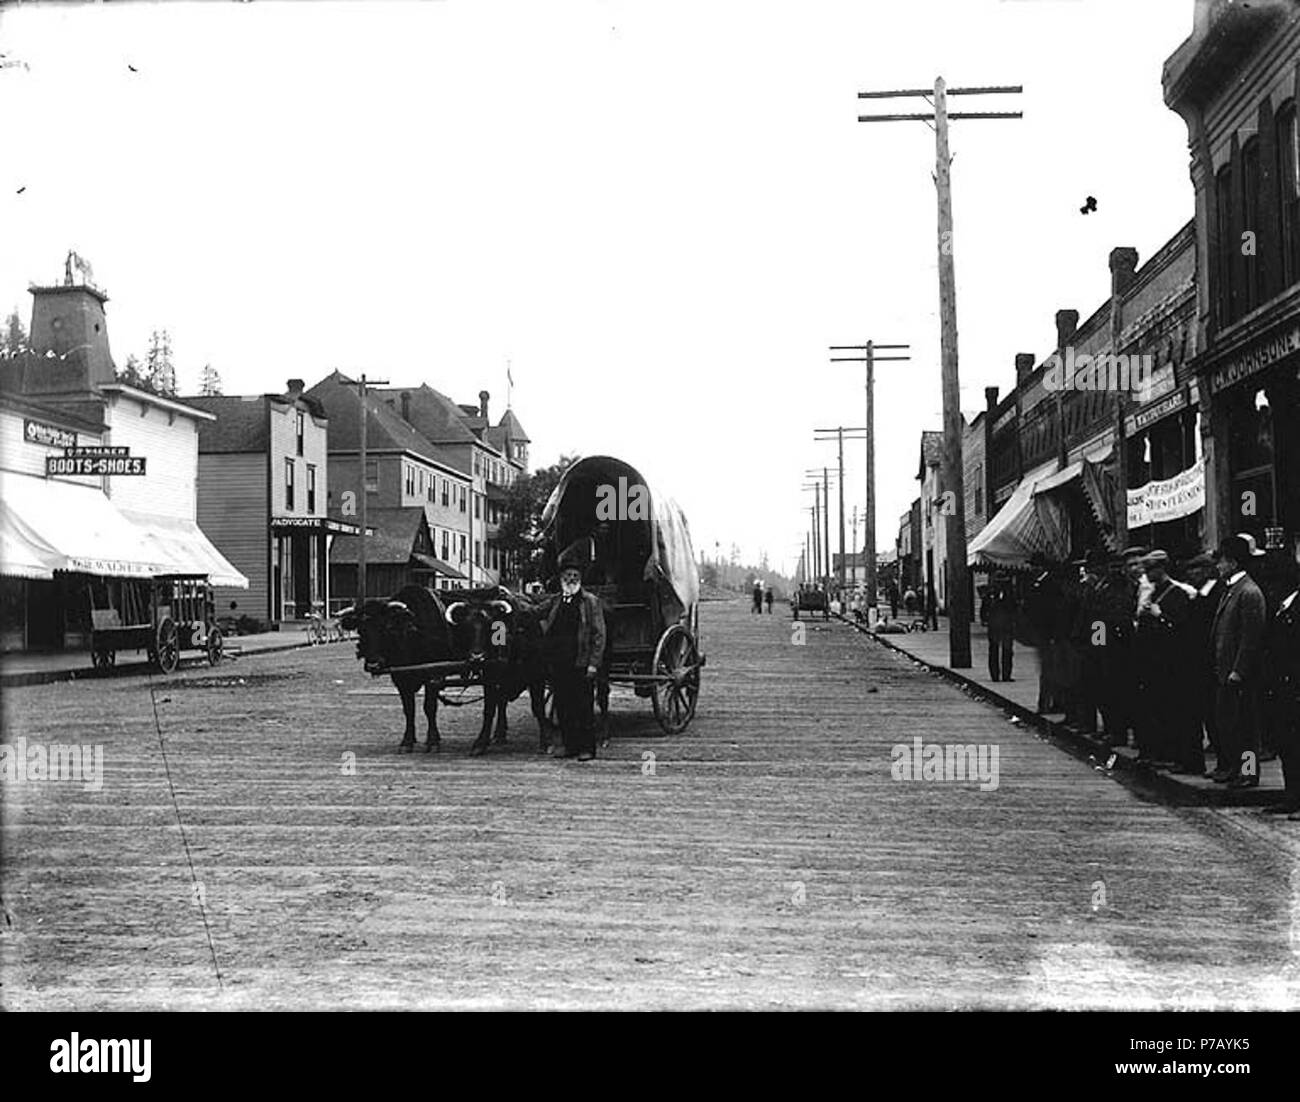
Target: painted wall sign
(1149, 415)
(49, 436)
(92, 465)
(1168, 498)
(1259, 356)
(96, 451)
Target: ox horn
(398, 605)
(504, 606)
(451, 610)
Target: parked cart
(163, 616)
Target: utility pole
(838, 434)
(361, 385)
(825, 574)
(870, 356)
(816, 529)
(959, 596)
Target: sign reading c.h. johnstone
(1255, 358)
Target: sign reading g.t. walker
(49, 436)
(1169, 498)
(95, 460)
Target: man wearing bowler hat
(1170, 717)
(1237, 638)
(574, 627)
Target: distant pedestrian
(1238, 638)
(998, 611)
(758, 598)
(767, 598)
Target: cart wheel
(168, 650)
(214, 646)
(677, 662)
(104, 659)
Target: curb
(1082, 746)
(49, 677)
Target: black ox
(500, 634)
(486, 636)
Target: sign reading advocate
(95, 460)
(1168, 498)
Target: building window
(1250, 196)
(301, 425)
(446, 550)
(463, 499)
(311, 487)
(478, 552)
(446, 484)
(462, 548)
(410, 480)
(1227, 241)
(372, 476)
(477, 506)
(421, 481)
(1288, 155)
(288, 485)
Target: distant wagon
(643, 570)
(162, 616)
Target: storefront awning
(48, 525)
(186, 550)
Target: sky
(659, 214)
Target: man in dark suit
(1282, 652)
(1237, 639)
(1087, 641)
(1170, 721)
(573, 625)
(998, 612)
(1202, 576)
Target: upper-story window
(372, 476)
(446, 489)
(301, 428)
(463, 499)
(288, 485)
(410, 480)
(477, 512)
(1288, 156)
(311, 487)
(1250, 211)
(1225, 267)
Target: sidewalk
(41, 669)
(1020, 697)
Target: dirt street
(764, 858)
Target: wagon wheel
(103, 658)
(167, 650)
(214, 646)
(677, 663)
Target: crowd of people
(1170, 660)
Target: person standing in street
(574, 628)
(767, 598)
(1237, 640)
(758, 597)
(1086, 634)
(998, 612)
(1203, 577)
(1282, 648)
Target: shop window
(1288, 156)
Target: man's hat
(577, 556)
(1134, 552)
(1251, 548)
(1234, 548)
(1157, 558)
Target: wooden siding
(21, 455)
(170, 443)
(233, 515)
